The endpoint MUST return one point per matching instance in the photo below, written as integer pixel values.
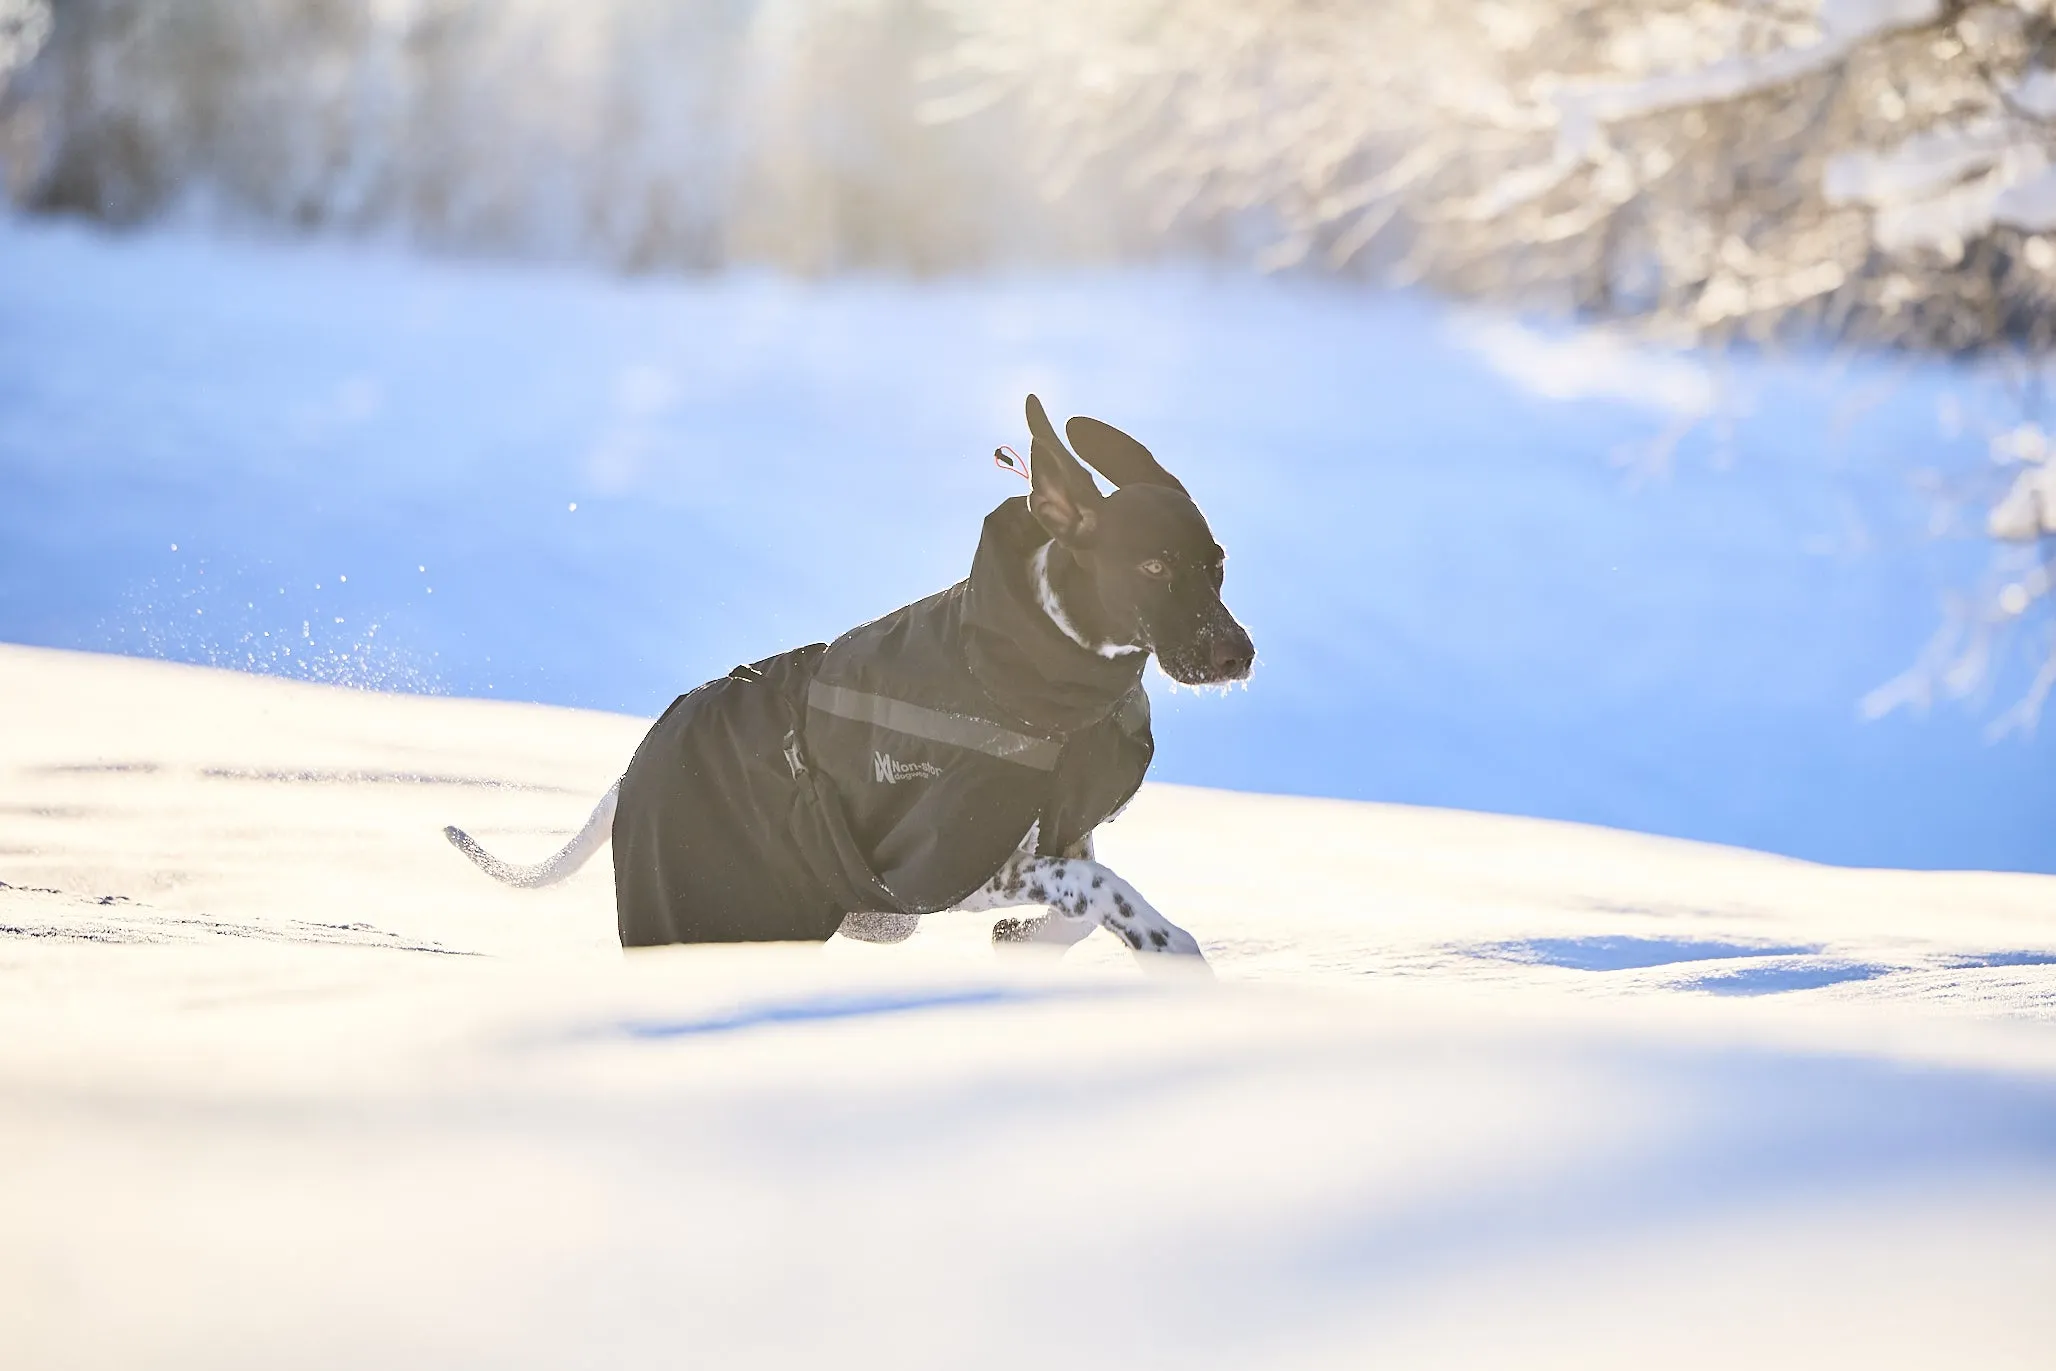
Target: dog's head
(1146, 550)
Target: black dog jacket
(892, 771)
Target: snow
(1845, 25)
(1919, 167)
(2028, 510)
(1944, 188)
(1592, 366)
(1483, 568)
(2028, 202)
(286, 1081)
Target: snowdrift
(283, 1081)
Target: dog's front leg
(1080, 895)
(1059, 927)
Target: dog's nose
(1231, 657)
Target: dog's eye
(1155, 569)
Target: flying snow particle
(174, 547)
(2014, 598)
(342, 580)
(573, 508)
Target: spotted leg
(1080, 895)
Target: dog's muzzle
(1222, 653)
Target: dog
(956, 754)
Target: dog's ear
(1116, 456)
(1062, 494)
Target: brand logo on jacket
(885, 769)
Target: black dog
(955, 754)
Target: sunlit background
(1633, 412)
(1627, 413)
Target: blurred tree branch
(1879, 172)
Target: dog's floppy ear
(1116, 456)
(1062, 494)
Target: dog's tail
(573, 856)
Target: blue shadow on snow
(829, 1007)
(1627, 954)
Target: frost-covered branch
(1875, 171)
(681, 134)
(1878, 170)
(1845, 26)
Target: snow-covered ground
(362, 465)
(284, 1081)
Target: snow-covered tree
(1875, 171)
(646, 133)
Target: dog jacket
(891, 771)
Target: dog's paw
(1170, 949)
(1013, 931)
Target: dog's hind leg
(1080, 895)
(879, 928)
(1057, 928)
